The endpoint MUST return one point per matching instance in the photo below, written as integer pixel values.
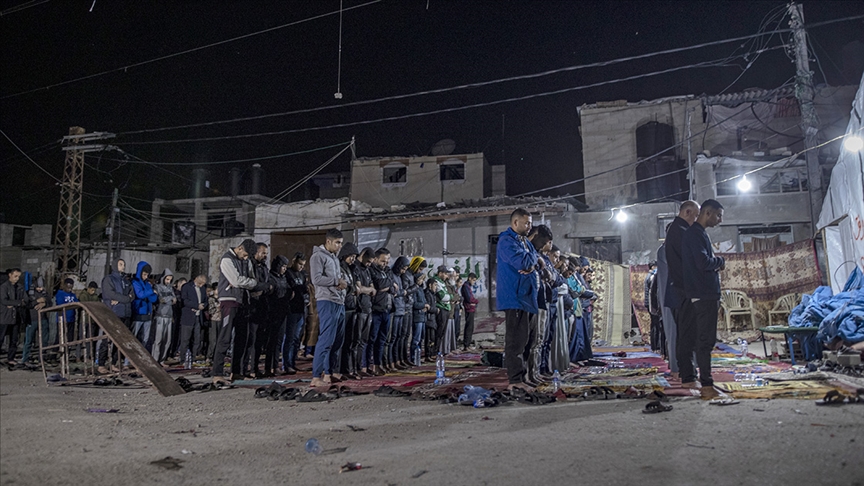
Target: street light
(853, 143)
(621, 216)
(744, 184)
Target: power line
(187, 51)
(28, 158)
(235, 161)
(23, 6)
(434, 112)
(491, 82)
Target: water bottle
(744, 348)
(417, 357)
(313, 447)
(760, 381)
(556, 381)
(188, 363)
(439, 370)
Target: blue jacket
(701, 280)
(515, 290)
(145, 297)
(64, 297)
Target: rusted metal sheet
(126, 342)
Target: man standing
(297, 313)
(347, 366)
(674, 298)
(12, 305)
(38, 299)
(443, 303)
(142, 306)
(329, 282)
(469, 302)
(669, 327)
(235, 282)
(164, 316)
(516, 294)
(382, 304)
(698, 331)
(117, 295)
(194, 301)
(365, 292)
(258, 314)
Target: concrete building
(385, 182)
(28, 248)
(637, 154)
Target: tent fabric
(843, 206)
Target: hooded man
(278, 308)
(236, 283)
(396, 341)
(404, 357)
(365, 292)
(257, 313)
(90, 294)
(142, 306)
(297, 312)
(117, 295)
(164, 316)
(348, 366)
(38, 299)
(442, 318)
(330, 285)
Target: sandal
(389, 391)
(287, 394)
(312, 396)
(656, 407)
(723, 401)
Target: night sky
(388, 48)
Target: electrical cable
(30, 159)
(433, 112)
(491, 82)
(187, 51)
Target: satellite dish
(443, 147)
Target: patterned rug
(612, 308)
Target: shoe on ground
(691, 385)
(710, 393)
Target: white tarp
(843, 209)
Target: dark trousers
(348, 364)
(441, 328)
(244, 333)
(456, 313)
(469, 330)
(364, 326)
(430, 341)
(273, 341)
(190, 339)
(697, 332)
(378, 335)
(392, 346)
(401, 352)
(13, 330)
(231, 316)
(250, 356)
(30, 336)
(519, 334)
(102, 347)
(291, 340)
(655, 332)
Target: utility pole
(109, 230)
(67, 242)
(809, 118)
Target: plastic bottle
(188, 362)
(440, 373)
(744, 348)
(417, 357)
(313, 447)
(556, 381)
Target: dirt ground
(229, 437)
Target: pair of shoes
(709, 393)
(290, 371)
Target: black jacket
(363, 277)
(382, 279)
(675, 285)
(701, 279)
(191, 315)
(12, 303)
(297, 282)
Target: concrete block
(849, 359)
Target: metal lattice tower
(67, 242)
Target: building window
(395, 174)
(768, 181)
(453, 171)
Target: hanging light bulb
(853, 143)
(621, 216)
(744, 184)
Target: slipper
(312, 396)
(656, 407)
(389, 391)
(658, 395)
(833, 397)
(287, 394)
(724, 401)
(262, 392)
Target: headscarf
(414, 266)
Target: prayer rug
(612, 308)
(800, 389)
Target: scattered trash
(485, 418)
(335, 450)
(169, 463)
(700, 446)
(102, 410)
(190, 431)
(418, 474)
(758, 409)
(313, 447)
(187, 451)
(350, 466)
(56, 377)
(724, 401)
(66, 421)
(354, 428)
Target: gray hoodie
(325, 273)
(166, 296)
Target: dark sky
(388, 48)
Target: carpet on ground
(612, 308)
